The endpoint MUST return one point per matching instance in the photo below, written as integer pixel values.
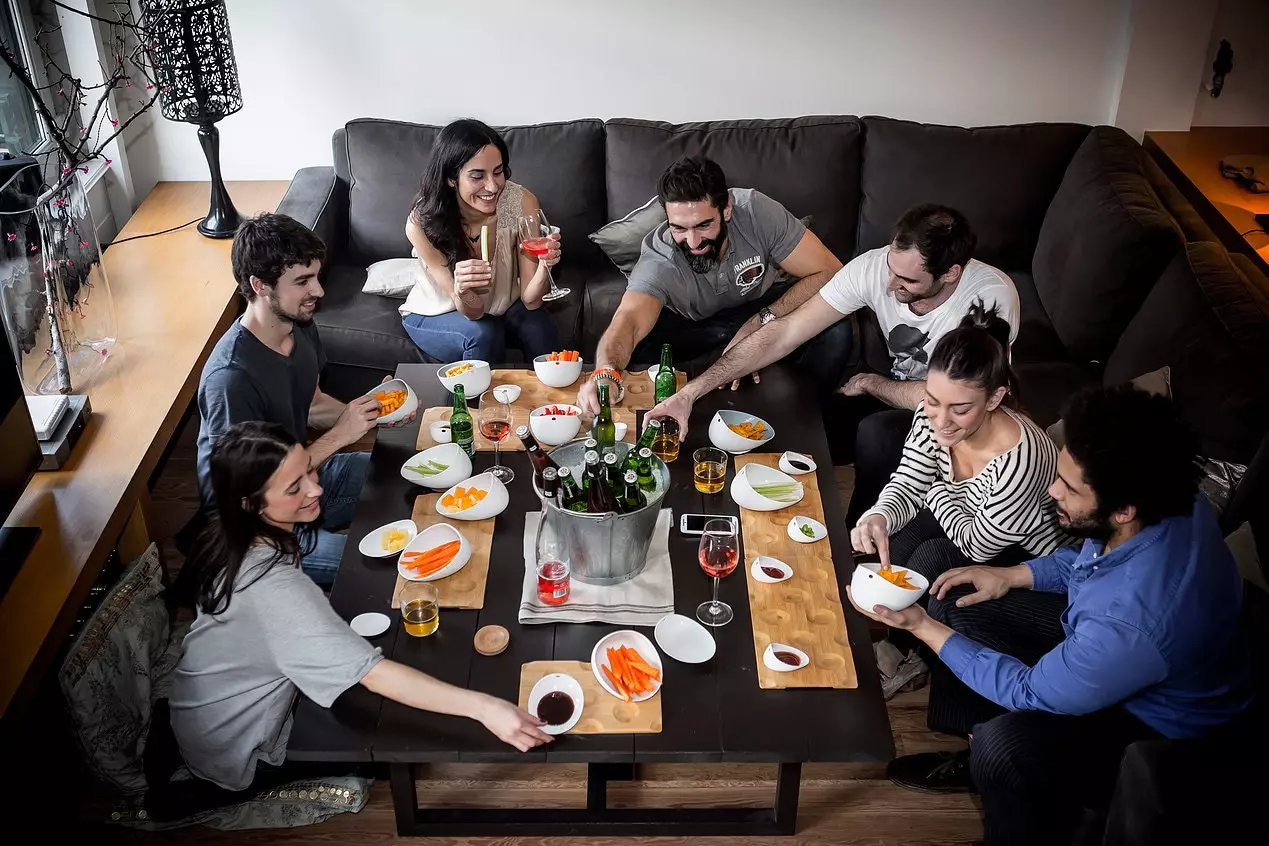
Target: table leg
(788, 787)
(405, 798)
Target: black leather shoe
(932, 772)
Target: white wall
(1244, 100)
(309, 66)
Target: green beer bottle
(461, 429)
(605, 430)
(632, 498)
(646, 480)
(666, 383)
(571, 495)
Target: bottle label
(468, 445)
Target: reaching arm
(890, 391)
(636, 315)
(533, 271)
(904, 494)
(351, 421)
(812, 265)
(474, 276)
(418, 690)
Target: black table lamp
(192, 57)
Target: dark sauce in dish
(799, 465)
(783, 657)
(556, 708)
(773, 572)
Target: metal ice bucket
(605, 549)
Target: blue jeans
(452, 337)
(341, 478)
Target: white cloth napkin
(642, 601)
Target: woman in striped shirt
(974, 477)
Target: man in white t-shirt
(920, 286)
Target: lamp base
(222, 218)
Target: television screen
(19, 450)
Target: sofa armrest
(318, 199)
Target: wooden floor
(846, 804)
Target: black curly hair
(1133, 450)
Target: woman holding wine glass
(719, 552)
(474, 296)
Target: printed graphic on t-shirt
(907, 348)
(749, 273)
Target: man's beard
(1092, 525)
(708, 260)
(275, 306)
(906, 297)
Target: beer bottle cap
(631, 476)
(522, 432)
(645, 452)
(550, 473)
(610, 458)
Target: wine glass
(535, 240)
(495, 425)
(719, 552)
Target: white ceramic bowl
(371, 545)
(475, 381)
(787, 467)
(684, 639)
(407, 408)
(440, 432)
(756, 475)
(506, 393)
(639, 643)
(773, 663)
(725, 439)
(457, 466)
(555, 429)
(491, 506)
(563, 683)
(557, 374)
(869, 589)
(769, 563)
(818, 530)
(430, 538)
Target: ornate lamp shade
(192, 55)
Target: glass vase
(54, 294)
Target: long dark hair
(436, 206)
(242, 461)
(977, 351)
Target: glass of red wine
(719, 552)
(495, 425)
(535, 239)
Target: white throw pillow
(391, 277)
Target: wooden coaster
(466, 588)
(805, 611)
(492, 640)
(602, 713)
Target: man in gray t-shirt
(725, 262)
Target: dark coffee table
(712, 712)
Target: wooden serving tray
(639, 389)
(805, 611)
(466, 588)
(602, 713)
(520, 416)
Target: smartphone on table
(694, 524)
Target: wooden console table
(174, 297)
(1192, 159)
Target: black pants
(923, 546)
(879, 435)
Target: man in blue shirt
(1053, 667)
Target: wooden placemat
(602, 713)
(639, 389)
(805, 611)
(520, 415)
(466, 588)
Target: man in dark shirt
(266, 367)
(1054, 667)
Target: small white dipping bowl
(557, 374)
(451, 456)
(563, 683)
(756, 475)
(407, 408)
(440, 432)
(773, 663)
(430, 538)
(725, 439)
(506, 393)
(760, 575)
(555, 429)
(491, 506)
(475, 381)
(869, 589)
(371, 545)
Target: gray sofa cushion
(1105, 240)
(562, 163)
(1205, 322)
(1000, 177)
(1037, 340)
(810, 164)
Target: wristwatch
(765, 316)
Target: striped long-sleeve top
(1006, 503)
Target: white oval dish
(639, 643)
(475, 381)
(491, 506)
(407, 408)
(756, 475)
(506, 393)
(440, 432)
(370, 624)
(371, 545)
(430, 538)
(456, 464)
(555, 429)
(564, 683)
(684, 639)
(868, 589)
(790, 469)
(557, 374)
(775, 563)
(795, 529)
(725, 439)
(774, 663)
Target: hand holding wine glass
(542, 241)
(719, 553)
(495, 425)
